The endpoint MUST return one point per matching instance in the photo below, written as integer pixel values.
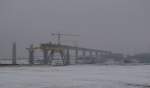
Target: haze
(116, 25)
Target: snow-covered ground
(76, 76)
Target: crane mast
(60, 35)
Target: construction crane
(59, 36)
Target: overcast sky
(116, 25)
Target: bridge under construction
(49, 49)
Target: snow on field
(76, 76)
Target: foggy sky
(116, 25)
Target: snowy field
(76, 76)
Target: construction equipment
(59, 36)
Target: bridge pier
(96, 53)
(76, 55)
(31, 55)
(45, 56)
(90, 53)
(83, 53)
(67, 62)
(14, 52)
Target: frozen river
(76, 76)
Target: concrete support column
(67, 57)
(14, 52)
(90, 52)
(31, 55)
(84, 53)
(97, 56)
(45, 56)
(76, 56)
(96, 53)
(100, 55)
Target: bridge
(48, 50)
